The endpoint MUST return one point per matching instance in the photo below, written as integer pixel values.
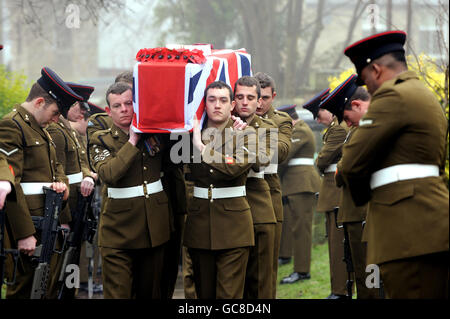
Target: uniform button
(211, 171)
(147, 196)
(37, 142)
(143, 154)
(54, 178)
(145, 168)
(145, 182)
(51, 161)
(212, 200)
(211, 185)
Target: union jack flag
(169, 92)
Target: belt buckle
(145, 190)
(210, 197)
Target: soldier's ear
(356, 105)
(233, 104)
(108, 110)
(274, 94)
(39, 102)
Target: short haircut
(37, 91)
(360, 94)
(126, 77)
(219, 85)
(265, 81)
(392, 60)
(248, 81)
(117, 88)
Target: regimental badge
(294, 140)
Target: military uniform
(260, 266)
(218, 230)
(135, 222)
(69, 155)
(284, 123)
(352, 218)
(406, 219)
(87, 249)
(6, 173)
(174, 184)
(300, 181)
(329, 196)
(397, 161)
(31, 153)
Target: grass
(318, 287)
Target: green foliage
(13, 89)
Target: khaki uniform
(83, 258)
(352, 218)
(219, 232)
(68, 154)
(5, 172)
(299, 184)
(31, 153)
(174, 185)
(284, 123)
(133, 229)
(188, 273)
(260, 266)
(329, 197)
(407, 221)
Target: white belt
(402, 172)
(75, 178)
(34, 188)
(271, 169)
(331, 169)
(135, 191)
(216, 193)
(252, 173)
(301, 161)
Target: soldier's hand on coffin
(27, 245)
(87, 186)
(197, 135)
(60, 187)
(134, 137)
(5, 189)
(238, 124)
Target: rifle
(347, 256)
(48, 225)
(92, 229)
(3, 252)
(78, 233)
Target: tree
(13, 89)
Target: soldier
(300, 182)
(395, 160)
(31, 153)
(219, 227)
(135, 221)
(329, 193)
(99, 119)
(349, 102)
(284, 125)
(247, 95)
(88, 251)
